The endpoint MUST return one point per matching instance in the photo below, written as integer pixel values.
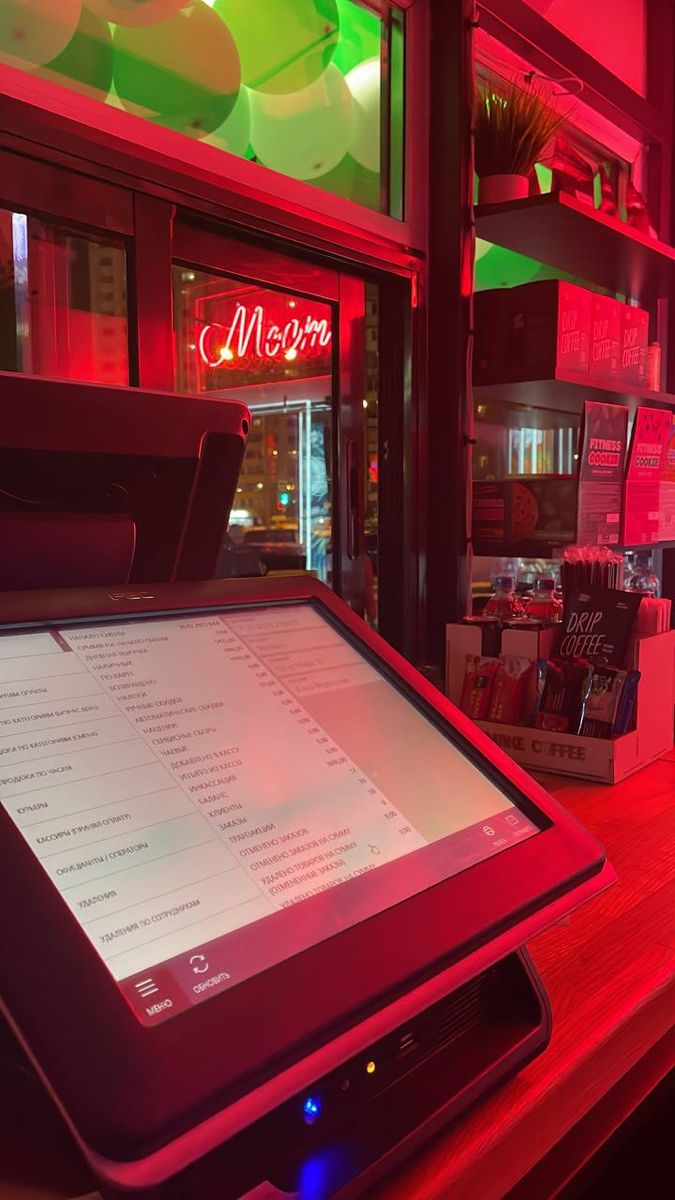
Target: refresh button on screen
(198, 964)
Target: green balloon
(183, 73)
(504, 268)
(364, 84)
(135, 12)
(354, 182)
(234, 133)
(544, 177)
(360, 33)
(38, 30)
(284, 45)
(87, 59)
(307, 133)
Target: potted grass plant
(512, 130)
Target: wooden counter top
(610, 974)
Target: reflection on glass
(273, 351)
(513, 440)
(371, 473)
(63, 302)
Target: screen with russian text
(213, 794)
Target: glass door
(289, 340)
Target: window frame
(58, 116)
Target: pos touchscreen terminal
(263, 889)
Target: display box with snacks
(583, 698)
(606, 760)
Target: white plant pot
(496, 189)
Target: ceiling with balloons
(293, 84)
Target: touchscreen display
(215, 793)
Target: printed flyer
(646, 461)
(601, 473)
(667, 500)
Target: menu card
(646, 462)
(601, 467)
(667, 495)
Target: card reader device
(264, 890)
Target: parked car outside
(277, 548)
(239, 561)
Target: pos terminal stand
(263, 889)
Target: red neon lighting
(251, 334)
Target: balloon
(306, 133)
(233, 135)
(360, 33)
(354, 182)
(283, 46)
(135, 12)
(364, 84)
(183, 73)
(87, 59)
(37, 30)
(544, 177)
(113, 99)
(504, 268)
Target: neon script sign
(252, 334)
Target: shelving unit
(550, 549)
(567, 234)
(566, 391)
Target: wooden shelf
(566, 392)
(567, 234)
(546, 549)
(521, 549)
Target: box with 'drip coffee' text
(634, 339)
(605, 355)
(530, 332)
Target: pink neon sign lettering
(249, 334)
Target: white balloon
(37, 30)
(135, 12)
(304, 134)
(234, 134)
(363, 82)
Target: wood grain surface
(610, 974)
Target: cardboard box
(606, 760)
(542, 508)
(605, 355)
(529, 332)
(634, 339)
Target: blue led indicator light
(311, 1109)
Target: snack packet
(509, 689)
(563, 690)
(603, 702)
(477, 686)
